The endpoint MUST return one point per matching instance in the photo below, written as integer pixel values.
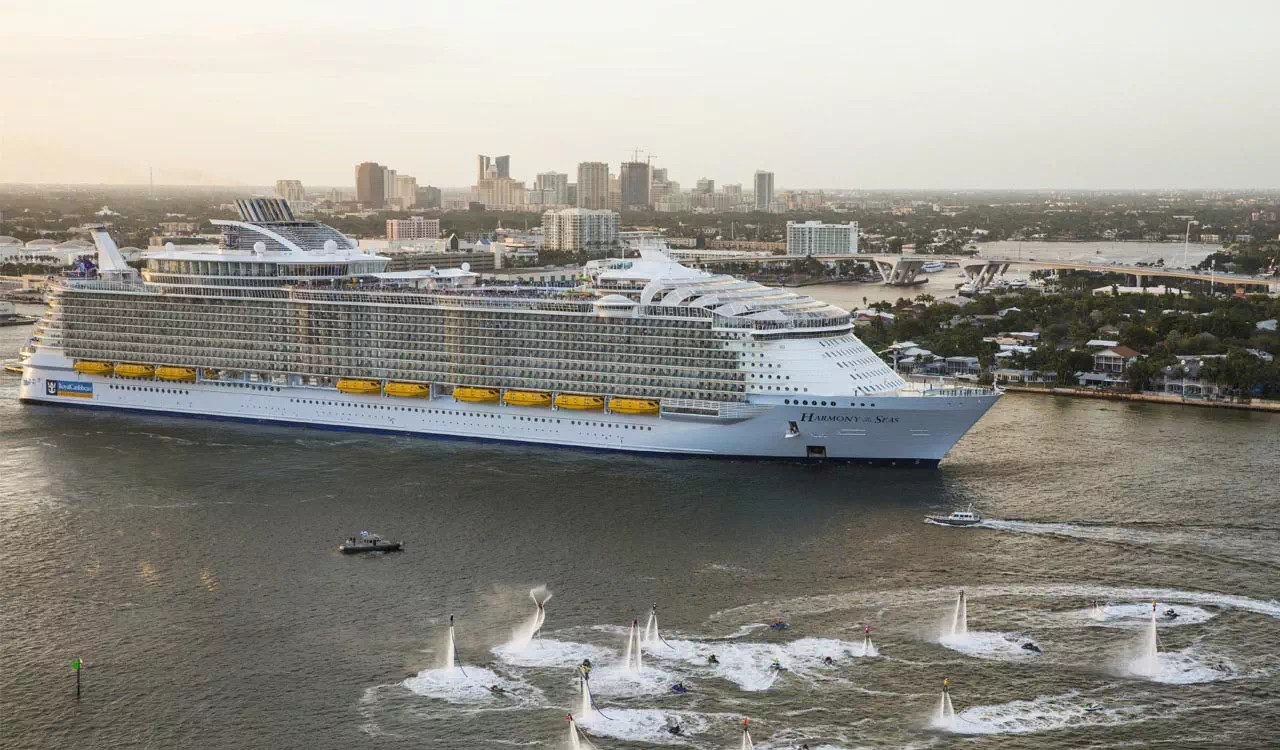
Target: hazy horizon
(853, 95)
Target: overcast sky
(848, 94)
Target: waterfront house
(956, 367)
(1115, 359)
(1104, 343)
(1014, 375)
(1184, 378)
(1109, 366)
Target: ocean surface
(193, 566)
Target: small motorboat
(368, 542)
(966, 517)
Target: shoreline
(1154, 398)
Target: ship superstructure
(289, 321)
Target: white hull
(906, 430)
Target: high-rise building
(816, 238)
(615, 194)
(557, 183)
(428, 197)
(764, 190)
(576, 229)
(371, 184)
(413, 228)
(291, 190)
(593, 185)
(634, 185)
(734, 192)
(389, 187)
(483, 163)
(705, 185)
(659, 174)
(406, 196)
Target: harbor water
(193, 566)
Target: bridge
(981, 272)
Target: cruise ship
(288, 321)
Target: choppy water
(193, 566)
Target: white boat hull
(899, 430)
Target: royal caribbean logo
(72, 388)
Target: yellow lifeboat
(356, 385)
(527, 398)
(475, 395)
(408, 390)
(166, 372)
(89, 367)
(126, 370)
(585, 403)
(633, 406)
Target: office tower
(504, 165)
(593, 185)
(580, 229)
(557, 183)
(816, 238)
(482, 167)
(764, 190)
(734, 192)
(291, 190)
(705, 185)
(659, 174)
(371, 184)
(634, 186)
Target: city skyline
(972, 96)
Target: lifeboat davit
(408, 390)
(357, 385)
(126, 370)
(633, 406)
(527, 398)
(584, 403)
(89, 367)
(166, 372)
(475, 395)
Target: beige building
(413, 228)
(593, 185)
(576, 229)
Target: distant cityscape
(636, 186)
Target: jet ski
(779, 625)
(679, 688)
(1029, 646)
(1091, 708)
